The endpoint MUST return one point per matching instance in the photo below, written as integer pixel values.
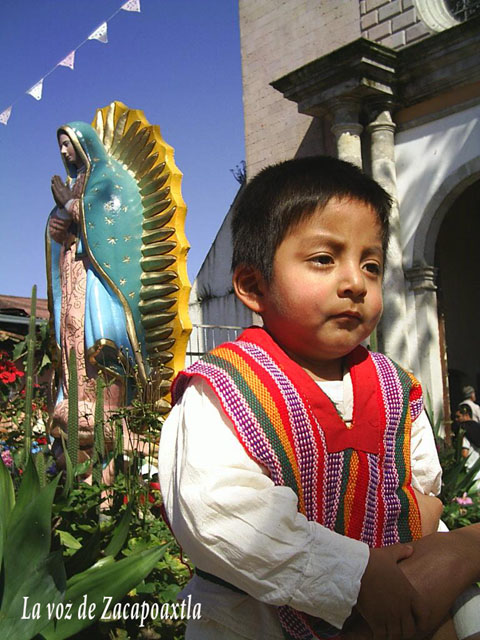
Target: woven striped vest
(355, 481)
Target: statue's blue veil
(109, 235)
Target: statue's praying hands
(61, 193)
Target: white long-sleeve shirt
(235, 523)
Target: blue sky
(178, 60)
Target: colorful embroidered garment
(355, 481)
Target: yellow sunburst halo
(164, 288)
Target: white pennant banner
(69, 61)
(5, 115)
(131, 5)
(36, 90)
(100, 33)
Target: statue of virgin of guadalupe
(117, 283)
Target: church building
(394, 87)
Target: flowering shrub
(9, 376)
(89, 539)
(6, 456)
(459, 491)
(8, 371)
(39, 402)
(462, 511)
(464, 500)
(74, 540)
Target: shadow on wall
(215, 312)
(318, 140)
(457, 258)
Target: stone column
(347, 129)
(430, 362)
(392, 333)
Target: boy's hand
(387, 601)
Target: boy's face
(325, 295)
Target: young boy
(292, 462)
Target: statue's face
(67, 149)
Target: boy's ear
(250, 287)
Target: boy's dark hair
(282, 195)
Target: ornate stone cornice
(443, 62)
(359, 69)
(371, 72)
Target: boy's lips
(348, 314)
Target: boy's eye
(322, 259)
(373, 267)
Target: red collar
(368, 422)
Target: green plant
(72, 423)
(462, 511)
(78, 547)
(27, 425)
(35, 573)
(459, 493)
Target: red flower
(151, 497)
(7, 377)
(8, 371)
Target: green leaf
(19, 350)
(30, 485)
(103, 562)
(44, 585)
(7, 492)
(149, 587)
(27, 420)
(68, 540)
(67, 487)
(84, 556)
(7, 502)
(72, 423)
(112, 579)
(98, 433)
(28, 539)
(170, 593)
(82, 467)
(120, 533)
(46, 360)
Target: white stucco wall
(432, 160)
(276, 38)
(435, 162)
(212, 301)
(214, 276)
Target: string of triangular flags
(100, 34)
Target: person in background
(471, 438)
(469, 399)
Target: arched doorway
(457, 258)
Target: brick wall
(393, 23)
(278, 36)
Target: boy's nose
(352, 283)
